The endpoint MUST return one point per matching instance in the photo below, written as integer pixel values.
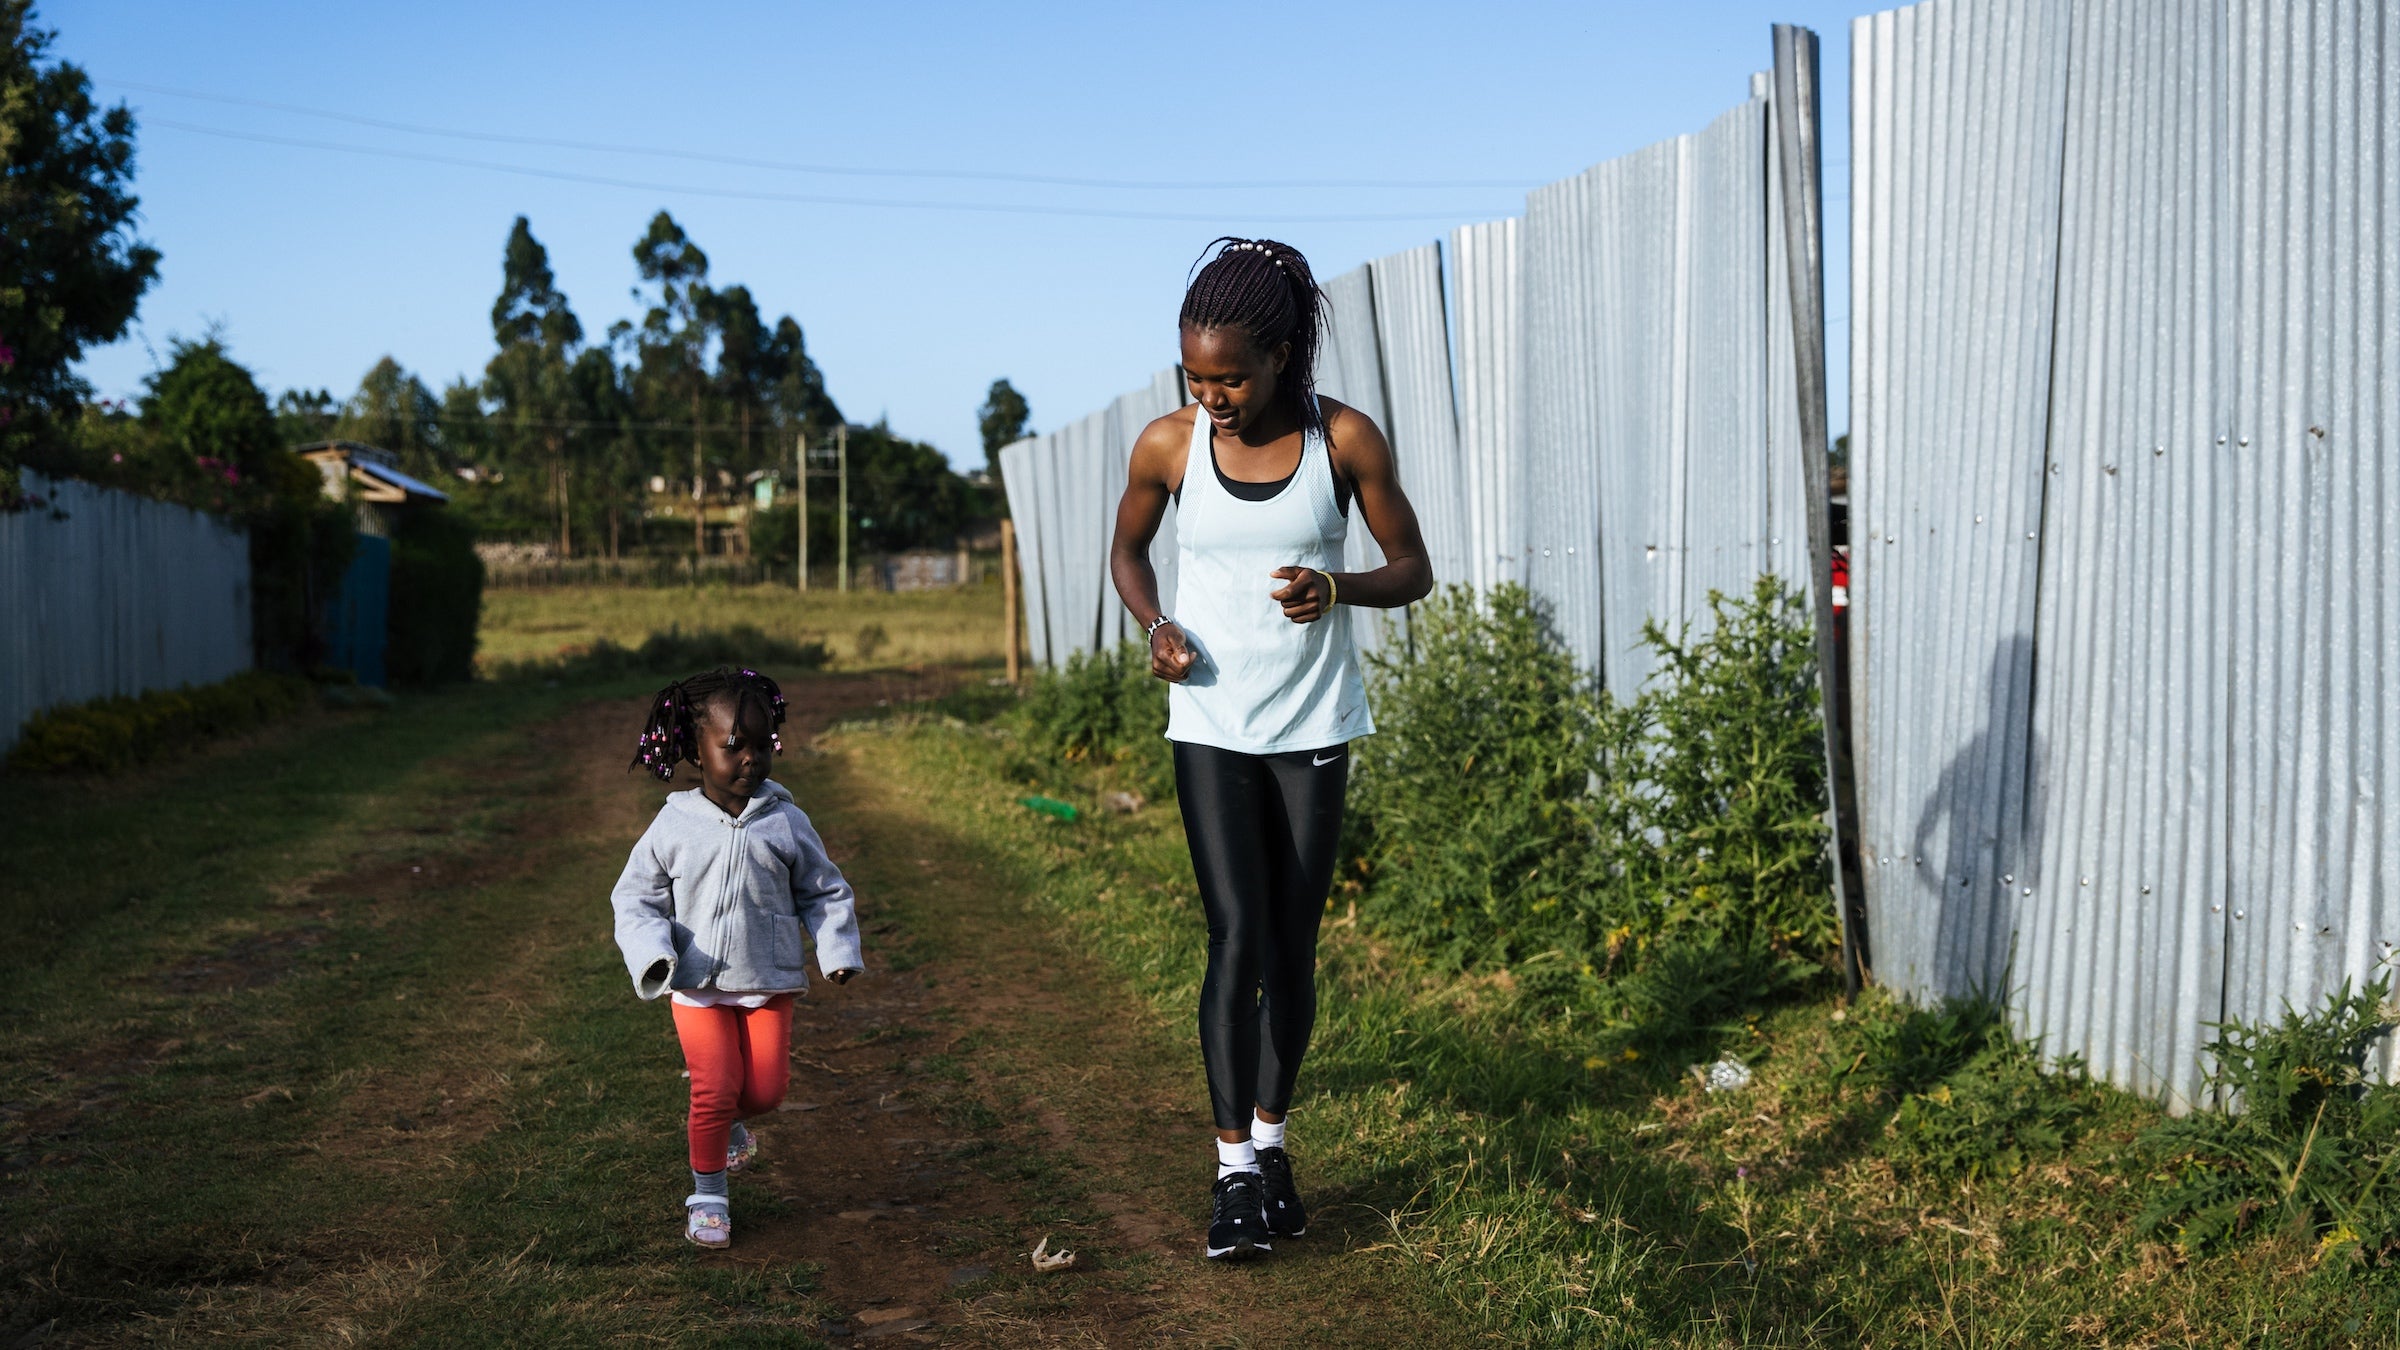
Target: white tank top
(1261, 684)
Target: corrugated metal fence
(2125, 478)
(1616, 342)
(2126, 489)
(122, 595)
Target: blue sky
(315, 261)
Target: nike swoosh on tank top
(1261, 684)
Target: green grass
(1561, 1190)
(863, 629)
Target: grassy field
(1555, 1199)
(862, 629)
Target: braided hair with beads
(671, 736)
(1264, 290)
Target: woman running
(1264, 688)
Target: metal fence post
(1796, 123)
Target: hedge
(110, 733)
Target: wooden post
(802, 455)
(841, 454)
(1008, 591)
(965, 560)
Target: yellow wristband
(1333, 593)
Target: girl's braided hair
(672, 735)
(1264, 290)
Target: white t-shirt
(727, 998)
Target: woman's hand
(1171, 654)
(841, 976)
(1307, 596)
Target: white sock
(1263, 1135)
(1232, 1158)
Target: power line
(833, 170)
(806, 199)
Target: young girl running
(1264, 691)
(711, 906)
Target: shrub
(1694, 990)
(2298, 1138)
(1507, 808)
(676, 652)
(111, 733)
(1472, 801)
(437, 600)
(1908, 1050)
(1973, 1100)
(1995, 1116)
(1106, 711)
(1735, 770)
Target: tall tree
(304, 415)
(1003, 419)
(675, 336)
(797, 392)
(530, 379)
(71, 271)
(393, 410)
(604, 403)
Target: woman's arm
(1150, 482)
(1361, 454)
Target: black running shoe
(1286, 1217)
(1239, 1229)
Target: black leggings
(1262, 830)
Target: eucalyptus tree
(1003, 419)
(393, 410)
(673, 344)
(529, 381)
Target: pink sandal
(708, 1221)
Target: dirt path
(982, 1090)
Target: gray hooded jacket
(712, 901)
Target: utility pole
(699, 501)
(841, 454)
(801, 454)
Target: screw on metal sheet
(1890, 540)
(2158, 450)
(1979, 520)
(2027, 891)
(2010, 878)
(2145, 890)
(2029, 534)
(2112, 469)
(2318, 432)
(2087, 881)
(1570, 550)
(2245, 440)
(2216, 909)
(2241, 914)
(2220, 440)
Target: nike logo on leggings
(1321, 763)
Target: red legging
(741, 1060)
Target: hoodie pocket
(783, 942)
